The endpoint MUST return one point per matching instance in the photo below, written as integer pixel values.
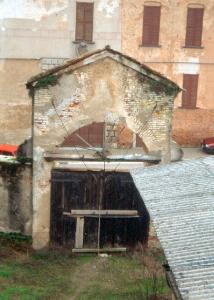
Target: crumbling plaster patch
(108, 7)
(41, 190)
(30, 9)
(192, 66)
(90, 95)
(15, 198)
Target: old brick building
(78, 94)
(102, 99)
(176, 37)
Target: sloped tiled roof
(93, 56)
(180, 200)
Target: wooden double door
(94, 191)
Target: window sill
(150, 46)
(188, 108)
(193, 47)
(87, 42)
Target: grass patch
(50, 275)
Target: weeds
(56, 274)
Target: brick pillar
(111, 135)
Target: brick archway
(95, 135)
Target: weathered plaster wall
(120, 92)
(36, 35)
(15, 199)
(16, 105)
(172, 59)
(84, 95)
(32, 29)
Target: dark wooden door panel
(82, 190)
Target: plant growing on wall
(160, 87)
(46, 81)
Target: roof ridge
(107, 48)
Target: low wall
(15, 198)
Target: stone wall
(15, 198)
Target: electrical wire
(102, 187)
(144, 126)
(67, 133)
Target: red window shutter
(80, 21)
(84, 21)
(189, 96)
(92, 134)
(194, 27)
(151, 25)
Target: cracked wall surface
(15, 199)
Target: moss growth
(23, 160)
(160, 87)
(46, 81)
(14, 238)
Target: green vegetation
(57, 274)
(46, 81)
(163, 87)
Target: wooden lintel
(106, 250)
(101, 216)
(95, 212)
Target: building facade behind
(176, 37)
(38, 35)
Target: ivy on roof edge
(44, 82)
(162, 87)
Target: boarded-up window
(92, 134)
(84, 21)
(151, 25)
(194, 27)
(190, 86)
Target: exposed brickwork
(111, 135)
(122, 95)
(74, 102)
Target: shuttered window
(84, 21)
(194, 27)
(151, 25)
(190, 86)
